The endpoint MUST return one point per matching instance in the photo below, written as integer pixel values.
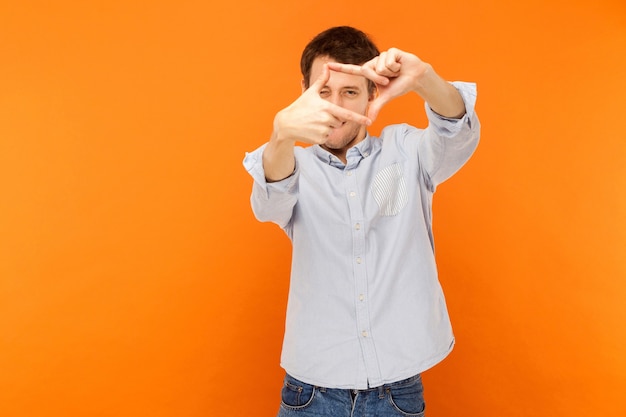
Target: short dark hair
(343, 44)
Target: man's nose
(335, 99)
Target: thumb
(375, 106)
(321, 80)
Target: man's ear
(302, 85)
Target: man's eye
(351, 93)
(324, 93)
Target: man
(366, 314)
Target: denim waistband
(391, 384)
(380, 388)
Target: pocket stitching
(297, 407)
(398, 409)
(393, 404)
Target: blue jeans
(399, 399)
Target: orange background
(134, 280)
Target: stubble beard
(334, 146)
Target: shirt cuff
(253, 163)
(448, 127)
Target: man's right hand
(311, 119)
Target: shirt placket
(371, 374)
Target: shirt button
(361, 297)
(352, 193)
(357, 226)
(349, 173)
(364, 333)
(358, 260)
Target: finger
(361, 70)
(392, 60)
(345, 68)
(375, 106)
(387, 63)
(380, 63)
(334, 122)
(347, 115)
(372, 75)
(321, 80)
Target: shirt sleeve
(271, 201)
(450, 142)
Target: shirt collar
(354, 155)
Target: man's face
(347, 91)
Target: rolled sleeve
(448, 127)
(271, 201)
(450, 142)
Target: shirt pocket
(389, 190)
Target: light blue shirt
(365, 306)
